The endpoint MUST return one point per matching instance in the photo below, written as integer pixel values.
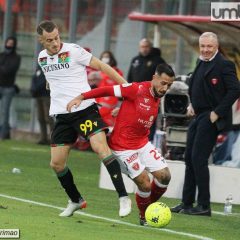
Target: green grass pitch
(99, 221)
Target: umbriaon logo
(225, 11)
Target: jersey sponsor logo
(132, 158)
(146, 107)
(43, 61)
(63, 57)
(135, 166)
(55, 67)
(147, 124)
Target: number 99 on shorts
(87, 126)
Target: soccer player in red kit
(129, 139)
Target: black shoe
(142, 221)
(198, 211)
(180, 207)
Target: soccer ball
(158, 214)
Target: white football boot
(125, 206)
(72, 207)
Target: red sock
(156, 192)
(142, 204)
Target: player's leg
(160, 183)
(90, 126)
(157, 166)
(99, 145)
(61, 138)
(58, 163)
(143, 194)
(132, 166)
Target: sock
(66, 179)
(157, 190)
(143, 200)
(114, 171)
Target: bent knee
(56, 166)
(164, 177)
(102, 150)
(145, 187)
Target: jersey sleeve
(82, 56)
(126, 90)
(99, 92)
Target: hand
(190, 111)
(213, 117)
(75, 102)
(115, 111)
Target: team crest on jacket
(214, 81)
(63, 57)
(149, 63)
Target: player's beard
(157, 94)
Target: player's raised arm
(101, 66)
(94, 93)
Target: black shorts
(69, 126)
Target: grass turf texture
(37, 182)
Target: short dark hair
(46, 25)
(165, 68)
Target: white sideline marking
(109, 219)
(29, 149)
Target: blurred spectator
(227, 150)
(143, 67)
(42, 96)
(108, 104)
(9, 65)
(99, 79)
(235, 156)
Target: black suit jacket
(221, 88)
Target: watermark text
(9, 233)
(225, 11)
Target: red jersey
(137, 114)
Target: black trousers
(201, 138)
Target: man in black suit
(213, 89)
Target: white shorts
(133, 162)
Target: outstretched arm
(99, 65)
(94, 93)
